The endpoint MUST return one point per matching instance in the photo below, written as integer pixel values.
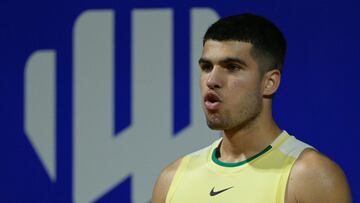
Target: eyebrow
(225, 60)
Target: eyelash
(206, 67)
(230, 67)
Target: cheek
(237, 85)
(235, 91)
(243, 84)
(202, 82)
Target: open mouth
(212, 101)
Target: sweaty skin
(237, 100)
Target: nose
(214, 80)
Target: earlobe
(272, 82)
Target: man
(254, 161)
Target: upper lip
(212, 97)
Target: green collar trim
(225, 164)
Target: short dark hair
(269, 44)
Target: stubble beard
(242, 117)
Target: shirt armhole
(284, 181)
(292, 148)
(177, 178)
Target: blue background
(318, 99)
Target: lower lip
(212, 105)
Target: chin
(216, 125)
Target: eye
(206, 67)
(232, 67)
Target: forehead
(215, 51)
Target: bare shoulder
(163, 182)
(316, 178)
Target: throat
(230, 155)
(241, 145)
(236, 161)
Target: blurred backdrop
(98, 96)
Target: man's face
(230, 83)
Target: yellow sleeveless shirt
(202, 178)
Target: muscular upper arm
(163, 182)
(315, 178)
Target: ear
(271, 82)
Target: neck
(243, 142)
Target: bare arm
(315, 178)
(163, 182)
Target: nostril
(213, 86)
(213, 83)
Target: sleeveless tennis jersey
(202, 178)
